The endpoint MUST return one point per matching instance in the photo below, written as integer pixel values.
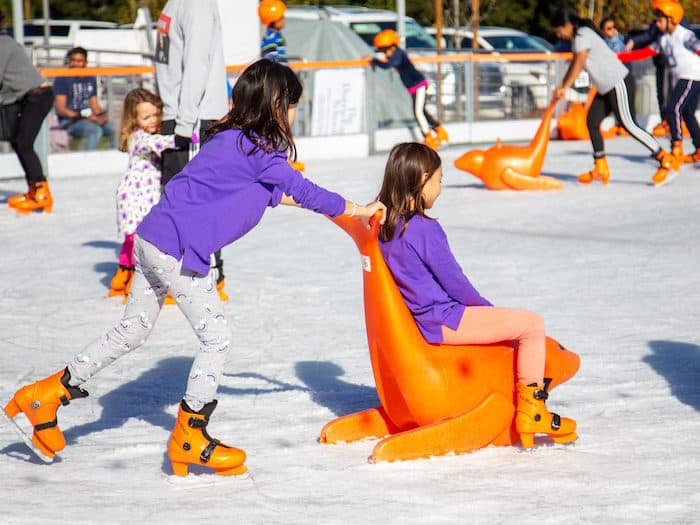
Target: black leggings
(36, 104)
(619, 101)
(682, 103)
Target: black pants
(664, 81)
(180, 158)
(36, 104)
(618, 101)
(681, 104)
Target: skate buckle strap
(541, 394)
(556, 421)
(44, 426)
(195, 422)
(205, 456)
(65, 401)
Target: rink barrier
(316, 64)
(466, 128)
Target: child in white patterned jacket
(139, 188)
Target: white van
(366, 23)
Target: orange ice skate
(599, 172)
(41, 200)
(120, 281)
(532, 416)
(190, 444)
(39, 402)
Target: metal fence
(463, 87)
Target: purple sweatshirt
(429, 277)
(221, 195)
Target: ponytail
(564, 15)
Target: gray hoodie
(190, 69)
(17, 74)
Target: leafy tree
(531, 16)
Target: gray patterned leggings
(198, 299)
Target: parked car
(366, 23)
(528, 82)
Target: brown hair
(131, 101)
(402, 188)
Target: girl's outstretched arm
(576, 66)
(352, 209)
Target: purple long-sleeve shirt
(429, 277)
(222, 194)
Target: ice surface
(613, 271)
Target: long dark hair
(566, 14)
(403, 184)
(261, 97)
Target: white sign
(338, 102)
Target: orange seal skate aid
(435, 399)
(513, 167)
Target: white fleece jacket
(190, 69)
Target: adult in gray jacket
(191, 79)
(21, 82)
(613, 83)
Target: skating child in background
(445, 305)
(139, 188)
(220, 196)
(664, 81)
(273, 46)
(680, 48)
(387, 42)
(614, 84)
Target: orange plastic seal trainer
(435, 399)
(513, 167)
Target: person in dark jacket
(664, 81)
(387, 42)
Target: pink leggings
(126, 255)
(492, 324)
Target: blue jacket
(410, 76)
(273, 46)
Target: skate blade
(671, 175)
(26, 438)
(205, 477)
(547, 442)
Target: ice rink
(613, 270)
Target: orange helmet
(270, 11)
(655, 3)
(670, 8)
(386, 38)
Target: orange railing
(317, 64)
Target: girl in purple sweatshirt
(219, 197)
(444, 303)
